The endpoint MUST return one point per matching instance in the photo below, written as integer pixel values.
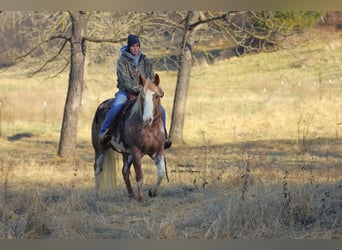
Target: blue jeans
(121, 98)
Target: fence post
(45, 105)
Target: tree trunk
(68, 139)
(183, 77)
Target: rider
(130, 65)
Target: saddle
(116, 129)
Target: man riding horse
(130, 65)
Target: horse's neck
(138, 109)
(158, 111)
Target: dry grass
(261, 159)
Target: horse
(142, 133)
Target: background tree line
(53, 42)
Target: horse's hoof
(153, 193)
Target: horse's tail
(107, 178)
(105, 159)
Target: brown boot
(104, 138)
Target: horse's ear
(156, 79)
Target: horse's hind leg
(98, 169)
(127, 162)
(161, 165)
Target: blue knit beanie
(132, 39)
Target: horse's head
(153, 86)
(151, 99)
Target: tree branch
(271, 28)
(103, 40)
(67, 39)
(62, 69)
(208, 20)
(223, 17)
(50, 60)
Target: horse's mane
(137, 106)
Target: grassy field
(261, 158)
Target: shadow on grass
(19, 136)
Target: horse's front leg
(159, 160)
(127, 162)
(138, 174)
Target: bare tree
(194, 21)
(67, 144)
(183, 77)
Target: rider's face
(134, 49)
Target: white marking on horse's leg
(148, 107)
(160, 162)
(139, 184)
(140, 192)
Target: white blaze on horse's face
(148, 108)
